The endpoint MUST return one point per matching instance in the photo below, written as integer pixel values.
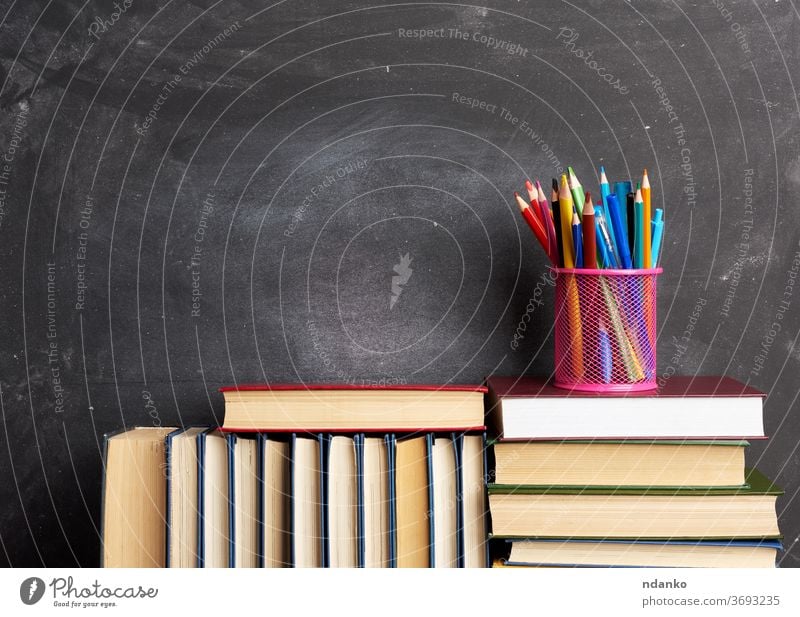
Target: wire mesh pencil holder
(605, 323)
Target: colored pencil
(605, 191)
(547, 215)
(620, 233)
(589, 234)
(555, 210)
(646, 217)
(577, 191)
(629, 210)
(577, 240)
(534, 201)
(621, 190)
(565, 205)
(534, 223)
(639, 225)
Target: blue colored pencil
(621, 190)
(577, 240)
(620, 232)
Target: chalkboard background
(206, 193)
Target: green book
(645, 513)
(755, 483)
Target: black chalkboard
(203, 193)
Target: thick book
(444, 482)
(182, 493)
(620, 463)
(244, 521)
(528, 408)
(213, 504)
(275, 494)
(376, 499)
(346, 408)
(307, 496)
(475, 549)
(413, 502)
(134, 499)
(644, 553)
(627, 513)
(344, 502)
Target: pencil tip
(602, 169)
(528, 185)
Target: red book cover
(322, 387)
(678, 386)
(346, 386)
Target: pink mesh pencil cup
(605, 324)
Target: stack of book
(305, 477)
(654, 478)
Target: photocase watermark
(183, 70)
(403, 272)
(485, 40)
(7, 162)
(101, 25)
(206, 211)
(681, 345)
(547, 279)
(568, 37)
(507, 115)
(66, 594)
(31, 590)
(739, 33)
(318, 190)
(777, 321)
(84, 222)
(151, 408)
(743, 247)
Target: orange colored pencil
(647, 259)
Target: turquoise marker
(658, 233)
(659, 217)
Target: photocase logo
(31, 590)
(404, 271)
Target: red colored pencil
(589, 237)
(534, 201)
(534, 224)
(550, 228)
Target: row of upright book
(335, 476)
(253, 495)
(638, 479)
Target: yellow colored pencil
(565, 207)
